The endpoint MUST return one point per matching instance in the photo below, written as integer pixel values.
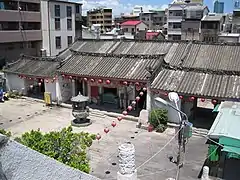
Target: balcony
(24, 16)
(18, 36)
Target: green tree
(158, 119)
(64, 146)
(4, 132)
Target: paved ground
(20, 116)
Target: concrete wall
(48, 26)
(51, 87)
(14, 82)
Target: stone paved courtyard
(19, 116)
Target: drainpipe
(49, 33)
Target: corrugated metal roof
(33, 66)
(215, 17)
(197, 83)
(131, 68)
(227, 122)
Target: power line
(159, 150)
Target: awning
(233, 152)
(216, 108)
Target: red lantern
(134, 103)
(46, 80)
(70, 77)
(137, 98)
(138, 88)
(99, 81)
(165, 94)
(119, 118)
(192, 98)
(92, 80)
(202, 100)
(41, 80)
(124, 113)
(106, 130)
(39, 84)
(30, 78)
(137, 83)
(144, 89)
(114, 124)
(31, 86)
(85, 79)
(54, 78)
(125, 83)
(24, 77)
(63, 75)
(108, 81)
(214, 101)
(98, 136)
(181, 97)
(150, 128)
(141, 93)
(129, 108)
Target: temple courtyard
(22, 115)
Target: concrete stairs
(97, 113)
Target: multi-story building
(211, 26)
(20, 29)
(119, 19)
(155, 19)
(61, 25)
(191, 22)
(102, 16)
(236, 21)
(218, 7)
(137, 10)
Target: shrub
(6, 133)
(158, 118)
(64, 146)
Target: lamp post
(181, 140)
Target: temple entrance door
(79, 87)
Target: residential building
(155, 19)
(236, 21)
(133, 27)
(20, 29)
(102, 16)
(124, 17)
(191, 23)
(211, 26)
(218, 7)
(61, 25)
(229, 37)
(175, 16)
(137, 10)
(155, 35)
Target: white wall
(14, 82)
(51, 87)
(140, 26)
(66, 88)
(48, 26)
(45, 26)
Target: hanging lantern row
(39, 79)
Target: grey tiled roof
(111, 66)
(32, 66)
(22, 163)
(198, 83)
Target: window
(69, 11)
(132, 29)
(126, 29)
(69, 39)
(77, 9)
(69, 24)
(57, 24)
(58, 42)
(57, 10)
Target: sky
(126, 6)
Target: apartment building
(119, 19)
(155, 19)
(236, 21)
(191, 23)
(61, 25)
(211, 26)
(175, 16)
(102, 16)
(20, 29)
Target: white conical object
(205, 174)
